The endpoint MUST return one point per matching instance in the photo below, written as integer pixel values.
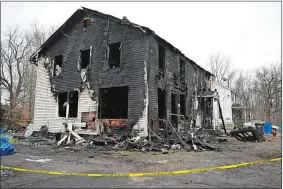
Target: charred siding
(99, 34)
(138, 49)
(193, 76)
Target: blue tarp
(3, 131)
(6, 147)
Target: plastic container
(267, 128)
(260, 128)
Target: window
(183, 104)
(85, 58)
(73, 103)
(161, 104)
(174, 108)
(113, 103)
(182, 68)
(68, 101)
(114, 55)
(62, 103)
(57, 69)
(161, 54)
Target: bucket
(267, 128)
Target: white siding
(225, 102)
(86, 104)
(46, 108)
(142, 124)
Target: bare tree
(14, 51)
(269, 86)
(245, 85)
(17, 75)
(220, 66)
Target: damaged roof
(82, 12)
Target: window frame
(108, 55)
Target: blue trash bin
(267, 128)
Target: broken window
(58, 62)
(85, 58)
(182, 68)
(161, 104)
(161, 54)
(73, 103)
(113, 103)
(62, 103)
(114, 55)
(183, 104)
(174, 108)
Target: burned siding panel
(152, 82)
(190, 78)
(86, 104)
(131, 72)
(45, 110)
(194, 79)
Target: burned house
(110, 75)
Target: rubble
(159, 141)
(247, 134)
(202, 139)
(6, 173)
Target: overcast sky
(248, 32)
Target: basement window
(161, 104)
(58, 62)
(85, 58)
(182, 68)
(113, 103)
(183, 104)
(73, 103)
(114, 55)
(62, 103)
(161, 55)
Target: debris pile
(6, 173)
(201, 140)
(247, 134)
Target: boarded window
(113, 103)
(73, 104)
(161, 104)
(85, 58)
(114, 55)
(62, 100)
(182, 68)
(161, 55)
(183, 104)
(58, 62)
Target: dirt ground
(267, 175)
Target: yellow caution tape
(141, 174)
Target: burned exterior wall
(97, 36)
(194, 81)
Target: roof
(223, 86)
(57, 33)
